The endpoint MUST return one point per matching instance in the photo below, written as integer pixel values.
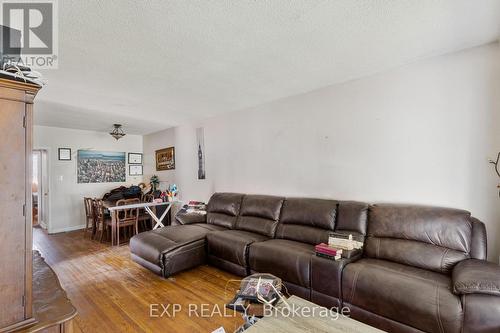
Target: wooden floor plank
(113, 294)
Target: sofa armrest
(473, 276)
(352, 254)
(182, 217)
(326, 278)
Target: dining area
(116, 221)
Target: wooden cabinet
(16, 114)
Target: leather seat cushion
(289, 260)
(151, 245)
(232, 245)
(211, 227)
(415, 297)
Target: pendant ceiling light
(117, 132)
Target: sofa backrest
(432, 238)
(352, 218)
(479, 245)
(223, 209)
(307, 220)
(260, 214)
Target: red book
(325, 249)
(328, 252)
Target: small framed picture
(64, 154)
(134, 158)
(135, 170)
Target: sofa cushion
(232, 245)
(289, 260)
(414, 253)
(183, 217)
(432, 238)
(223, 208)
(415, 297)
(307, 220)
(352, 216)
(211, 227)
(171, 249)
(260, 214)
(151, 244)
(319, 213)
(445, 227)
(475, 276)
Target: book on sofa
(343, 241)
(325, 251)
(195, 207)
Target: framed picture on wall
(135, 170)
(101, 167)
(200, 150)
(165, 159)
(64, 154)
(134, 158)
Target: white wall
(152, 143)
(422, 133)
(66, 195)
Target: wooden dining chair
(145, 220)
(103, 220)
(126, 218)
(89, 216)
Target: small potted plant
(154, 181)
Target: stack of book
(196, 207)
(343, 241)
(325, 251)
(196, 204)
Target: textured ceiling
(154, 64)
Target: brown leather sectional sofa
(422, 269)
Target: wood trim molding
(26, 86)
(18, 91)
(28, 211)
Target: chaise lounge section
(422, 269)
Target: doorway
(40, 188)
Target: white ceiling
(154, 64)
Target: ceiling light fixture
(117, 132)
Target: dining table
(113, 208)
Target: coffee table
(309, 322)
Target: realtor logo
(29, 33)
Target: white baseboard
(66, 229)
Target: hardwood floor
(113, 294)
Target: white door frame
(36, 154)
(44, 190)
